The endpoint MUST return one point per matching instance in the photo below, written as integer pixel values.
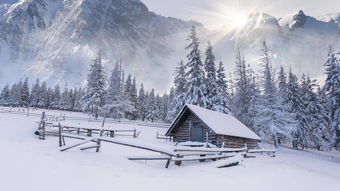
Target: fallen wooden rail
(156, 157)
(227, 155)
(202, 149)
(139, 146)
(268, 151)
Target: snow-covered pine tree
(15, 94)
(320, 134)
(94, 98)
(179, 91)
(254, 93)
(159, 107)
(134, 99)
(171, 101)
(50, 95)
(115, 86)
(43, 97)
(35, 94)
(223, 100)
(241, 99)
(116, 102)
(295, 105)
(24, 94)
(78, 100)
(282, 87)
(64, 99)
(164, 106)
(113, 101)
(71, 95)
(142, 103)
(231, 85)
(5, 96)
(55, 102)
(195, 86)
(152, 113)
(332, 92)
(282, 81)
(128, 98)
(212, 89)
(128, 86)
(272, 118)
(69, 100)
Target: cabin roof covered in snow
(220, 123)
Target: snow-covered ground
(27, 163)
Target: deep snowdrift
(28, 163)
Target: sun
(238, 20)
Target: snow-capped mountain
(299, 41)
(57, 40)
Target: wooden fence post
(59, 134)
(112, 133)
(99, 141)
(89, 132)
(103, 123)
(43, 131)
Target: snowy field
(27, 163)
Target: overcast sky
(204, 10)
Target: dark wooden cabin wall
(236, 142)
(183, 132)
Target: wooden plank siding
(236, 142)
(181, 133)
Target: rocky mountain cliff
(57, 39)
(298, 41)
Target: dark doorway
(196, 131)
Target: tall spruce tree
(332, 92)
(282, 81)
(25, 93)
(35, 94)
(272, 120)
(241, 99)
(94, 98)
(134, 99)
(223, 103)
(195, 86)
(43, 97)
(5, 98)
(320, 134)
(142, 103)
(178, 100)
(296, 106)
(55, 102)
(114, 104)
(212, 89)
(15, 94)
(152, 113)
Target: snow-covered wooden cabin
(202, 125)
